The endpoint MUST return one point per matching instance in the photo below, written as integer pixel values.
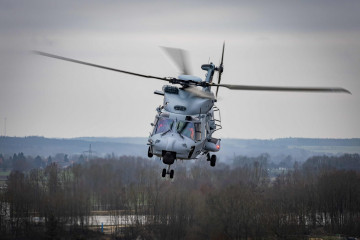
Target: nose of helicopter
(171, 142)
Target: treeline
(201, 202)
(325, 163)
(20, 162)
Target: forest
(320, 197)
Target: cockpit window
(163, 124)
(186, 129)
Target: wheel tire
(213, 160)
(163, 174)
(171, 173)
(150, 154)
(208, 157)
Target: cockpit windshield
(164, 124)
(186, 129)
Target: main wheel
(213, 160)
(171, 173)
(150, 154)
(163, 174)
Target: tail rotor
(220, 69)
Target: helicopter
(187, 119)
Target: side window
(207, 130)
(197, 132)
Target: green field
(4, 173)
(3, 176)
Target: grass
(3, 176)
(5, 173)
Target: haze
(302, 43)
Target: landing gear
(168, 171)
(150, 154)
(171, 173)
(211, 159)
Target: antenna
(90, 152)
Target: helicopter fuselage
(183, 126)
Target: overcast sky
(290, 43)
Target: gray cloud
(315, 43)
(180, 15)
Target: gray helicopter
(186, 121)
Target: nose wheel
(168, 171)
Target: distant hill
(298, 148)
(50, 146)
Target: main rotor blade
(180, 59)
(98, 66)
(221, 69)
(199, 93)
(284, 89)
(222, 55)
